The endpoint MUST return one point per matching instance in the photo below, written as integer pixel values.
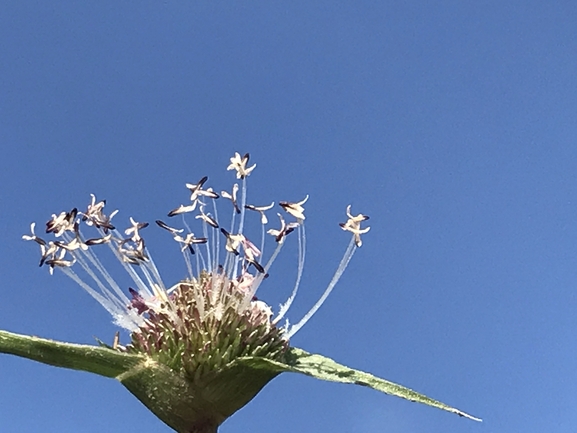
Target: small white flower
(182, 209)
(239, 164)
(261, 210)
(244, 283)
(196, 190)
(295, 209)
(94, 208)
(284, 230)
(353, 225)
(99, 241)
(132, 252)
(49, 252)
(61, 223)
(58, 261)
(189, 241)
(134, 230)
(167, 227)
(94, 215)
(251, 252)
(33, 236)
(232, 241)
(207, 218)
(232, 197)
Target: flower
(295, 209)
(353, 225)
(33, 236)
(203, 347)
(239, 164)
(134, 230)
(261, 210)
(232, 197)
(196, 190)
(206, 218)
(285, 229)
(212, 317)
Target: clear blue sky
(452, 125)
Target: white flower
(295, 209)
(232, 197)
(207, 218)
(188, 241)
(183, 209)
(353, 225)
(284, 230)
(196, 190)
(239, 164)
(58, 261)
(167, 227)
(261, 210)
(74, 244)
(232, 241)
(134, 230)
(95, 216)
(33, 236)
(251, 252)
(49, 252)
(61, 223)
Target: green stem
(204, 429)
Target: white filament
(342, 266)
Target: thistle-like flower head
(199, 326)
(202, 348)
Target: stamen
(295, 209)
(112, 303)
(342, 266)
(182, 209)
(353, 225)
(239, 164)
(261, 210)
(99, 241)
(232, 197)
(217, 289)
(194, 188)
(122, 317)
(93, 259)
(167, 227)
(33, 237)
(134, 230)
(216, 240)
(301, 264)
(206, 218)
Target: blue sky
(451, 124)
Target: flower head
(199, 325)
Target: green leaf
(189, 407)
(183, 405)
(99, 360)
(321, 367)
